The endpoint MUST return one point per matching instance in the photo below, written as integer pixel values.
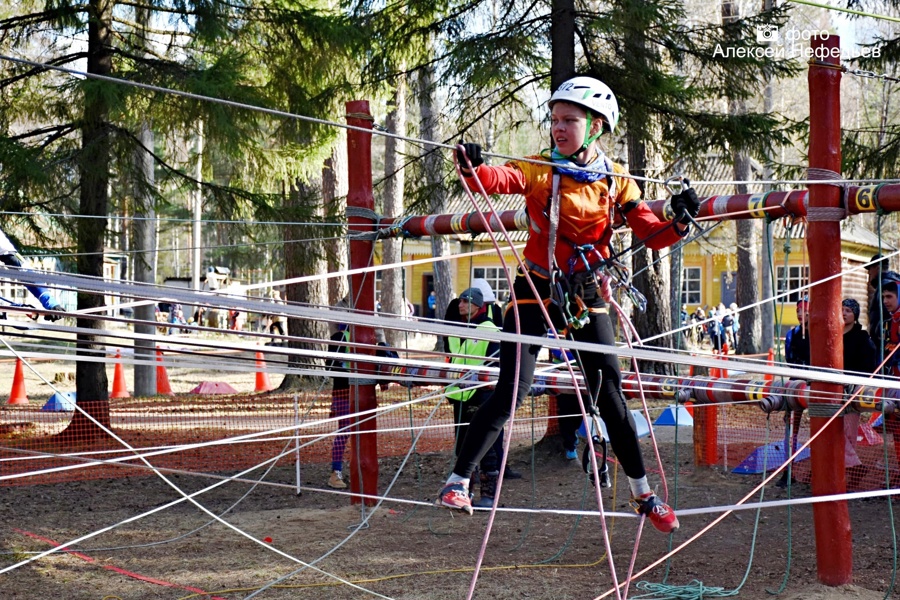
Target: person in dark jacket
(796, 351)
(878, 271)
(859, 357)
(340, 396)
(859, 349)
(796, 342)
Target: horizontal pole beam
(775, 204)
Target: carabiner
(683, 184)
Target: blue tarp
(60, 402)
(772, 455)
(668, 416)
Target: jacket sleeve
(788, 355)
(505, 179)
(335, 347)
(645, 225)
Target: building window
(496, 278)
(691, 281)
(797, 277)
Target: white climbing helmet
(589, 93)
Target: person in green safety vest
(466, 395)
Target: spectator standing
(340, 404)
(796, 342)
(878, 271)
(275, 318)
(796, 350)
(728, 327)
(340, 397)
(735, 324)
(432, 303)
(891, 336)
(716, 331)
(859, 358)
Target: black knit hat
(852, 305)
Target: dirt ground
(414, 550)
(410, 549)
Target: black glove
(51, 317)
(473, 151)
(685, 205)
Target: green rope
(697, 590)
(571, 536)
(779, 319)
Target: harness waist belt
(533, 266)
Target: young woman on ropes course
(571, 214)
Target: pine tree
(66, 141)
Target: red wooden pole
(364, 442)
(834, 544)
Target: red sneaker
(456, 496)
(658, 512)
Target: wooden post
(834, 543)
(360, 201)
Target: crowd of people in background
(719, 327)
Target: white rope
(419, 141)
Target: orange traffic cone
(262, 378)
(770, 362)
(120, 389)
(162, 378)
(17, 394)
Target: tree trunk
(676, 267)
(767, 309)
(747, 273)
(392, 280)
(651, 273)
(334, 199)
(747, 235)
(91, 383)
(430, 129)
(562, 40)
(144, 257)
(299, 259)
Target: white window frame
(691, 275)
(798, 277)
(496, 278)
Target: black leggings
(599, 369)
(462, 415)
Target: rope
(367, 130)
(816, 214)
